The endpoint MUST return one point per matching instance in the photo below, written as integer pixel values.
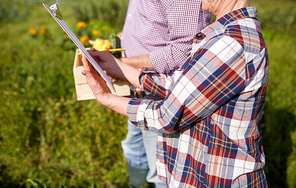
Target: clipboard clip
(56, 11)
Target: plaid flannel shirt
(210, 117)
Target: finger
(93, 52)
(103, 84)
(96, 82)
(88, 66)
(91, 42)
(85, 63)
(83, 72)
(90, 78)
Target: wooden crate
(83, 91)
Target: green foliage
(31, 183)
(279, 117)
(103, 28)
(111, 12)
(10, 12)
(279, 20)
(49, 139)
(55, 138)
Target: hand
(108, 63)
(115, 68)
(95, 81)
(101, 90)
(91, 42)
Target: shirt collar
(246, 12)
(217, 27)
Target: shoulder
(245, 31)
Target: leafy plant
(47, 137)
(111, 12)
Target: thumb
(84, 72)
(85, 63)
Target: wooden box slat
(83, 91)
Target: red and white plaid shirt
(162, 29)
(210, 117)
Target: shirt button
(199, 36)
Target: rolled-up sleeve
(185, 19)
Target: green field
(48, 136)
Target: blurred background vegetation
(48, 137)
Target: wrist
(104, 98)
(117, 103)
(125, 60)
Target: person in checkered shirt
(210, 113)
(156, 34)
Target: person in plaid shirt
(209, 118)
(156, 34)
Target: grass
(279, 134)
(47, 135)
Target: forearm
(129, 74)
(117, 103)
(138, 62)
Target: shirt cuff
(143, 73)
(136, 112)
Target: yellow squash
(102, 45)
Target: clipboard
(56, 14)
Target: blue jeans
(139, 148)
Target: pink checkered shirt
(163, 29)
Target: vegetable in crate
(115, 43)
(102, 45)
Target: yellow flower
(41, 31)
(95, 32)
(33, 31)
(66, 36)
(84, 39)
(81, 24)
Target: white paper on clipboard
(55, 13)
